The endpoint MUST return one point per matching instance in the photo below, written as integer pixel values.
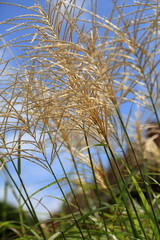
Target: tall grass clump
(83, 88)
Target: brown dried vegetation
(73, 91)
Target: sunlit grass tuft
(84, 88)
